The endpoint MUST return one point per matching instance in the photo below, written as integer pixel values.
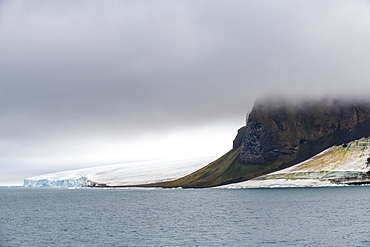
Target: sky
(87, 82)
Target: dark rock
(239, 138)
(283, 131)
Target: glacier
(72, 182)
(125, 174)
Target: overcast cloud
(98, 82)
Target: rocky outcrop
(278, 131)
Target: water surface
(202, 217)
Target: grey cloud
(141, 64)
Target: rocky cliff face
(280, 134)
(278, 131)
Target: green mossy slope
(221, 171)
(227, 169)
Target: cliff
(279, 134)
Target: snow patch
(336, 166)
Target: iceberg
(126, 174)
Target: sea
(333, 216)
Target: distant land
(284, 143)
(280, 134)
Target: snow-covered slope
(126, 174)
(338, 165)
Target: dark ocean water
(203, 217)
